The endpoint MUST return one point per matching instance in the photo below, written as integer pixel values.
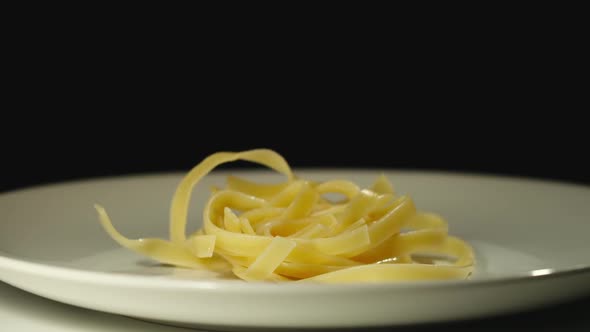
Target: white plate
(20, 311)
(530, 237)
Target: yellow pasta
(293, 231)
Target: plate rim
(316, 169)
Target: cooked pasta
(294, 231)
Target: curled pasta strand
(293, 231)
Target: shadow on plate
(19, 306)
(567, 316)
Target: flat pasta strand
(292, 230)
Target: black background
(510, 109)
(155, 135)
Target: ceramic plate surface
(530, 238)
